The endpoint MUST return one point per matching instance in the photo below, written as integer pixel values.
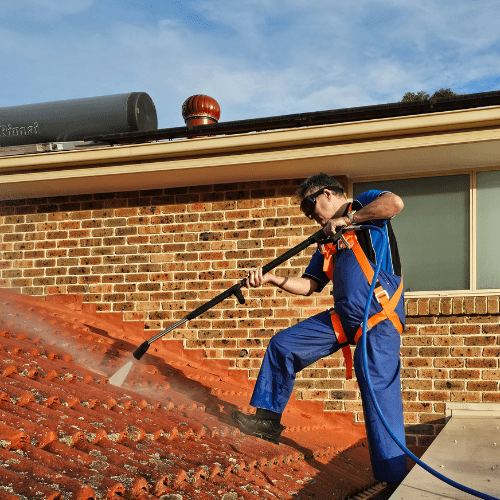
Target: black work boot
(267, 429)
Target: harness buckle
(343, 243)
(380, 294)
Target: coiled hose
(372, 393)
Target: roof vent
(200, 110)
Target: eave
(397, 146)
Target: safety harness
(349, 242)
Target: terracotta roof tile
(66, 433)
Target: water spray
(119, 377)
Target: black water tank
(74, 119)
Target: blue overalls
(299, 346)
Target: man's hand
(255, 277)
(331, 227)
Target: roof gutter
(451, 121)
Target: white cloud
(256, 58)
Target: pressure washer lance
(318, 237)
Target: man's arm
(385, 206)
(295, 285)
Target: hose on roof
(429, 469)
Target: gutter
(451, 121)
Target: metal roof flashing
(467, 451)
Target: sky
(257, 58)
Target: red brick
(457, 305)
(434, 306)
(410, 330)
(417, 341)
(315, 373)
(481, 305)
(432, 373)
(421, 429)
(416, 362)
(425, 441)
(453, 385)
(423, 307)
(417, 407)
(469, 305)
(409, 352)
(491, 397)
(448, 341)
(434, 352)
(461, 352)
(434, 396)
(434, 330)
(490, 319)
(417, 384)
(435, 420)
(464, 374)
(493, 305)
(446, 306)
(490, 374)
(491, 329)
(412, 307)
(448, 363)
(481, 340)
(491, 352)
(423, 320)
(465, 330)
(471, 397)
(409, 395)
(482, 386)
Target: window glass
(488, 234)
(432, 230)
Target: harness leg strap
(342, 339)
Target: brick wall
(450, 352)
(157, 255)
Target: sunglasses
(309, 202)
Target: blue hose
(372, 393)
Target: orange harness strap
(349, 240)
(388, 306)
(342, 339)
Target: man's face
(327, 204)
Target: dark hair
(318, 181)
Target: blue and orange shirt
(371, 242)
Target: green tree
(411, 96)
(424, 96)
(443, 93)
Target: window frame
(473, 291)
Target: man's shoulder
(367, 197)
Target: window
(488, 229)
(435, 227)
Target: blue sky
(257, 58)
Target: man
(349, 265)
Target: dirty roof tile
(66, 433)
